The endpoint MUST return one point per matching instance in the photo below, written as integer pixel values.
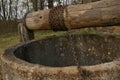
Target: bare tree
(50, 3)
(3, 8)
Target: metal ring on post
(56, 18)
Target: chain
(74, 54)
(77, 63)
(56, 21)
(56, 18)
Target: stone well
(51, 58)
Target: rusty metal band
(56, 18)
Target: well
(52, 58)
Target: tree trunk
(41, 4)
(35, 6)
(16, 10)
(50, 3)
(28, 7)
(96, 14)
(3, 9)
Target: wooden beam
(97, 14)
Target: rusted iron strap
(56, 18)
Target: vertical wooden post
(24, 33)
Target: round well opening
(57, 51)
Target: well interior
(57, 51)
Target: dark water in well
(75, 56)
(58, 51)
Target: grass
(8, 40)
(11, 39)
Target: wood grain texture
(96, 14)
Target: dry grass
(7, 41)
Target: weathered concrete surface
(51, 58)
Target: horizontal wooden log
(96, 14)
